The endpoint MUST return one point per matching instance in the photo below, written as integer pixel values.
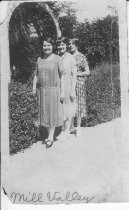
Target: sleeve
(60, 67)
(85, 65)
(73, 66)
(61, 74)
(35, 76)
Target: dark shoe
(55, 139)
(49, 143)
(43, 142)
(73, 131)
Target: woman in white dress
(70, 69)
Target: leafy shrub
(23, 110)
(103, 94)
(103, 105)
(99, 39)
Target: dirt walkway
(89, 165)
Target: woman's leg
(72, 128)
(68, 124)
(51, 133)
(67, 127)
(78, 121)
(49, 141)
(78, 132)
(64, 134)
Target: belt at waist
(47, 87)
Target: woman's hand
(82, 74)
(34, 91)
(72, 95)
(62, 96)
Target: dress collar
(75, 53)
(63, 56)
(49, 57)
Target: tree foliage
(24, 49)
(99, 39)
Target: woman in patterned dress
(49, 80)
(82, 72)
(70, 68)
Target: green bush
(103, 94)
(99, 39)
(23, 111)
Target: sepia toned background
(98, 152)
(96, 26)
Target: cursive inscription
(50, 197)
(30, 198)
(75, 196)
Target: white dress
(70, 69)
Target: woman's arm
(35, 79)
(34, 83)
(62, 87)
(74, 77)
(81, 74)
(85, 68)
(62, 78)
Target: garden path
(90, 165)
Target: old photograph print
(98, 41)
(64, 102)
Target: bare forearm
(34, 82)
(62, 83)
(74, 77)
(81, 74)
(73, 82)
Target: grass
(103, 105)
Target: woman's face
(61, 48)
(72, 46)
(47, 47)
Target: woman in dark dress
(82, 72)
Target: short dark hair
(62, 39)
(74, 40)
(49, 40)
